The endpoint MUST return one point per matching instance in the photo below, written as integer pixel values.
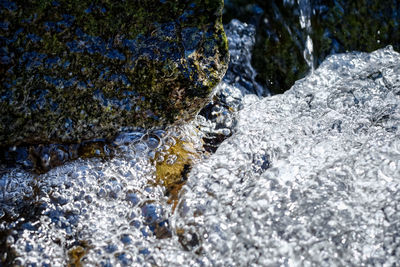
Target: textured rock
(72, 72)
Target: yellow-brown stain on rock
(75, 256)
(173, 175)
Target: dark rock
(79, 71)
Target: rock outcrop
(73, 72)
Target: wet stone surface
(215, 122)
(75, 72)
(42, 158)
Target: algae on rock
(82, 70)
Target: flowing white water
(305, 23)
(310, 177)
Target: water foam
(310, 177)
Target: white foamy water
(109, 207)
(305, 23)
(310, 177)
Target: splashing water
(111, 211)
(305, 23)
(310, 177)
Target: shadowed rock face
(73, 72)
(337, 26)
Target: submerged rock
(94, 212)
(311, 177)
(73, 72)
(217, 119)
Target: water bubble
(171, 159)
(332, 168)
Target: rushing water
(305, 23)
(310, 177)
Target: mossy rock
(337, 26)
(81, 70)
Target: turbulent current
(307, 178)
(311, 177)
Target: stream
(310, 177)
